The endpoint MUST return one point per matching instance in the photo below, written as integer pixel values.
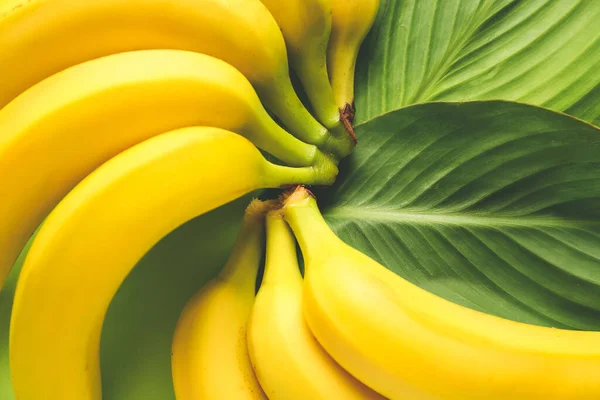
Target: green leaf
(543, 52)
(136, 338)
(493, 205)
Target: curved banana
(288, 361)
(99, 231)
(407, 343)
(58, 131)
(39, 38)
(351, 21)
(306, 27)
(209, 354)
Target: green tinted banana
(209, 355)
(94, 237)
(59, 130)
(288, 361)
(39, 38)
(306, 27)
(351, 21)
(407, 343)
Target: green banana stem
(278, 142)
(302, 213)
(323, 172)
(343, 139)
(291, 111)
(315, 80)
(302, 124)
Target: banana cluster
(115, 111)
(351, 329)
(229, 344)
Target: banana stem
(301, 212)
(289, 108)
(286, 105)
(323, 172)
(315, 81)
(278, 142)
(344, 133)
(281, 263)
(242, 266)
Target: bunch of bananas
(112, 111)
(352, 329)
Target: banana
(209, 354)
(306, 27)
(39, 38)
(98, 232)
(407, 343)
(288, 361)
(58, 131)
(351, 21)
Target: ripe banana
(39, 38)
(407, 343)
(98, 232)
(288, 361)
(58, 131)
(351, 21)
(306, 27)
(209, 354)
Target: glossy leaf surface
(543, 52)
(493, 205)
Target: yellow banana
(407, 343)
(209, 355)
(306, 27)
(351, 21)
(99, 231)
(58, 131)
(288, 361)
(39, 38)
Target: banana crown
(315, 237)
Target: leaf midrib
(455, 219)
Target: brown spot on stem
(347, 117)
(351, 110)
